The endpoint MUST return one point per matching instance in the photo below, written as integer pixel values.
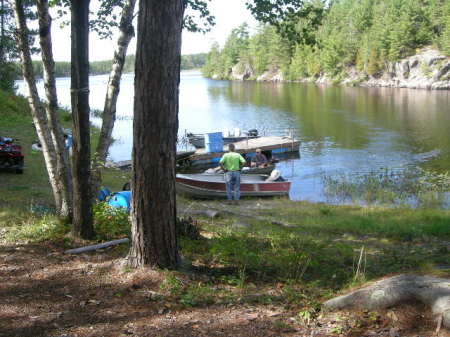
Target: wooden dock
(269, 145)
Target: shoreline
(429, 69)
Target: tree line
(330, 36)
(62, 69)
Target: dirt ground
(44, 292)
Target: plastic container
(102, 194)
(120, 199)
(213, 142)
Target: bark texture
(81, 160)
(63, 176)
(154, 241)
(432, 291)
(126, 33)
(37, 110)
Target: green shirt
(231, 161)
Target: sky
(229, 14)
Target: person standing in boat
(259, 159)
(231, 163)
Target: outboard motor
(252, 132)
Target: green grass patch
(38, 229)
(19, 192)
(325, 249)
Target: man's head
(258, 151)
(231, 147)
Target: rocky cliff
(428, 69)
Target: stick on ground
(95, 247)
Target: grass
(324, 248)
(20, 192)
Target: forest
(330, 37)
(62, 69)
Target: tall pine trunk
(81, 159)
(126, 33)
(62, 155)
(2, 30)
(157, 77)
(37, 110)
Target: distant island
(62, 69)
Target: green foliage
(197, 16)
(45, 228)
(63, 69)
(198, 294)
(14, 109)
(110, 223)
(326, 247)
(172, 285)
(426, 189)
(193, 61)
(8, 46)
(444, 39)
(374, 63)
(265, 51)
(188, 294)
(8, 73)
(327, 37)
(293, 19)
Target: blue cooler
(103, 194)
(213, 142)
(120, 199)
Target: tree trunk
(126, 33)
(157, 77)
(432, 291)
(37, 111)
(82, 198)
(2, 30)
(63, 176)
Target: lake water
(343, 130)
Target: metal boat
(245, 170)
(213, 185)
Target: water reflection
(342, 129)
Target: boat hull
(246, 170)
(213, 186)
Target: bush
(110, 223)
(46, 228)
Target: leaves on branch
(293, 19)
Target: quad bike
(11, 156)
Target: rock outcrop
(242, 72)
(428, 69)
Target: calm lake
(343, 130)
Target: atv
(11, 156)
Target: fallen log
(431, 291)
(256, 217)
(95, 247)
(207, 212)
